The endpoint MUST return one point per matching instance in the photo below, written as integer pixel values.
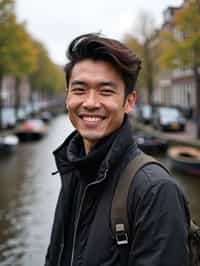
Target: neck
(88, 145)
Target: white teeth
(91, 119)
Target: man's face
(95, 100)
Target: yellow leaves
(187, 18)
(47, 76)
(27, 52)
(6, 9)
(133, 44)
(21, 55)
(166, 56)
(7, 19)
(21, 50)
(16, 50)
(181, 46)
(167, 36)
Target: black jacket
(157, 209)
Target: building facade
(175, 87)
(8, 91)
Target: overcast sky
(57, 22)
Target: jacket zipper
(60, 253)
(79, 213)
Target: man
(100, 78)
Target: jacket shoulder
(153, 179)
(158, 212)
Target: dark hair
(95, 47)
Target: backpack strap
(119, 211)
(194, 244)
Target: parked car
(167, 118)
(145, 113)
(21, 115)
(8, 118)
(28, 109)
(46, 116)
(36, 107)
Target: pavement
(189, 134)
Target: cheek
(71, 103)
(116, 108)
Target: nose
(91, 101)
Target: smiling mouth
(91, 118)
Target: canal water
(28, 194)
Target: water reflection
(28, 194)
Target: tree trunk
(197, 84)
(17, 97)
(149, 71)
(1, 103)
(32, 90)
(150, 84)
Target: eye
(107, 91)
(78, 90)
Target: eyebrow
(78, 82)
(108, 83)
(101, 83)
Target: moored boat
(150, 144)
(8, 144)
(33, 129)
(185, 159)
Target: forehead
(95, 71)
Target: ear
(130, 101)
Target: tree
(181, 47)
(20, 55)
(142, 42)
(17, 53)
(24, 55)
(134, 44)
(6, 11)
(7, 18)
(47, 77)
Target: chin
(91, 137)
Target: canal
(28, 194)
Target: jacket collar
(123, 139)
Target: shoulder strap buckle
(121, 235)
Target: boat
(32, 129)
(150, 144)
(185, 159)
(8, 144)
